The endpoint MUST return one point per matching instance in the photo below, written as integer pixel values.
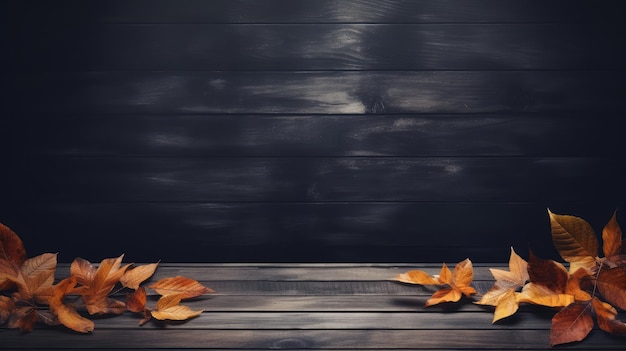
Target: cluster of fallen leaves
(590, 291)
(34, 296)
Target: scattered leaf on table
(134, 276)
(66, 314)
(168, 308)
(572, 323)
(187, 287)
(136, 301)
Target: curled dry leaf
(133, 277)
(67, 315)
(12, 255)
(184, 286)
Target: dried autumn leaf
(612, 238)
(503, 292)
(99, 283)
(184, 286)
(133, 277)
(168, 308)
(136, 301)
(12, 255)
(67, 315)
(548, 273)
(24, 318)
(417, 277)
(612, 285)
(35, 278)
(574, 283)
(606, 317)
(572, 323)
(7, 306)
(540, 295)
(575, 241)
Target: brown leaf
(168, 308)
(548, 273)
(572, 323)
(136, 301)
(606, 317)
(187, 287)
(575, 241)
(575, 281)
(612, 238)
(24, 318)
(99, 283)
(35, 278)
(12, 255)
(133, 277)
(612, 285)
(67, 315)
(7, 306)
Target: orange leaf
(67, 315)
(187, 287)
(136, 301)
(572, 323)
(168, 308)
(417, 277)
(99, 283)
(575, 241)
(612, 238)
(24, 318)
(540, 295)
(35, 278)
(7, 306)
(548, 273)
(517, 274)
(605, 315)
(137, 275)
(612, 285)
(12, 255)
(574, 285)
(444, 295)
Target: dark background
(309, 130)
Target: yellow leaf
(575, 240)
(462, 277)
(137, 275)
(417, 277)
(187, 287)
(168, 308)
(507, 305)
(540, 295)
(444, 295)
(517, 275)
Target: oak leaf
(575, 241)
(98, 283)
(184, 286)
(67, 315)
(134, 276)
(168, 307)
(12, 255)
(503, 293)
(458, 281)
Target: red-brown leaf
(187, 287)
(612, 238)
(606, 317)
(612, 285)
(548, 273)
(7, 306)
(136, 301)
(572, 323)
(12, 255)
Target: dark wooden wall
(309, 130)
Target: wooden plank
(321, 11)
(540, 134)
(328, 232)
(323, 179)
(297, 339)
(81, 47)
(321, 92)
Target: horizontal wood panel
(542, 134)
(336, 232)
(320, 47)
(552, 179)
(321, 11)
(298, 339)
(319, 92)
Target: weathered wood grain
(321, 11)
(81, 47)
(540, 134)
(325, 92)
(514, 179)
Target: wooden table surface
(316, 307)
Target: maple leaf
(503, 294)
(168, 307)
(458, 282)
(98, 283)
(575, 241)
(12, 255)
(35, 278)
(187, 287)
(67, 315)
(133, 277)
